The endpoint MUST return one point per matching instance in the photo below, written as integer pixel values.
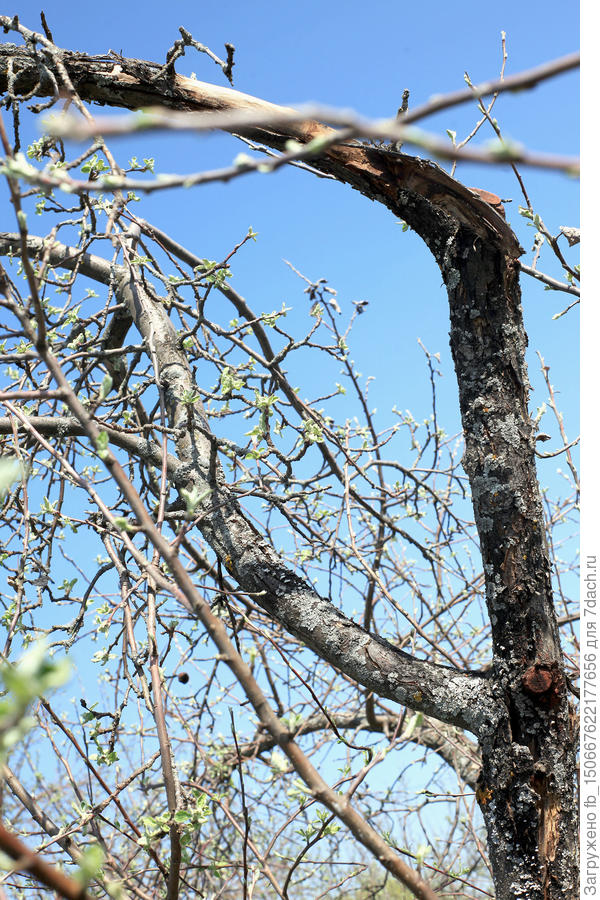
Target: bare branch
(518, 82)
(28, 861)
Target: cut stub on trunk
(493, 199)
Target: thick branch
(439, 691)
(450, 744)
(126, 83)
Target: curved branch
(451, 745)
(396, 179)
(439, 691)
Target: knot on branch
(543, 682)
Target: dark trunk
(526, 787)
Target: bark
(526, 787)
(439, 691)
(449, 743)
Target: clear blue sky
(359, 56)
(363, 57)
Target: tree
(189, 507)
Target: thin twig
(528, 79)
(547, 279)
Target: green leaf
(242, 159)
(415, 721)
(95, 164)
(102, 444)
(122, 524)
(11, 470)
(423, 850)
(182, 815)
(278, 762)
(106, 386)
(318, 144)
(229, 381)
(31, 677)
(313, 433)
(194, 498)
(90, 864)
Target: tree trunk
(526, 787)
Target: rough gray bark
(520, 714)
(526, 785)
(439, 691)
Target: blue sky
(360, 56)
(350, 55)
